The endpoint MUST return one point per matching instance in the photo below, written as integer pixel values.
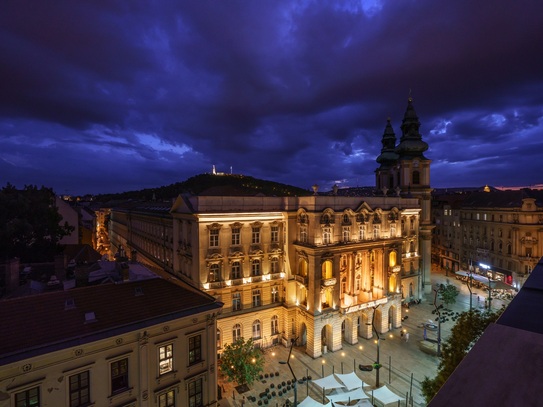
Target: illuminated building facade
(311, 268)
(141, 343)
(320, 268)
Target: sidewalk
(404, 365)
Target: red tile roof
(43, 323)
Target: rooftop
(43, 323)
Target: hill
(210, 184)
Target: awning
(350, 380)
(386, 396)
(328, 383)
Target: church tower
(405, 170)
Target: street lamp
(376, 365)
(282, 362)
(436, 290)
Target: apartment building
(140, 343)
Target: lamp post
(376, 365)
(282, 362)
(436, 290)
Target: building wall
(326, 271)
(52, 373)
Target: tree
(31, 224)
(448, 293)
(242, 362)
(465, 333)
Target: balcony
(301, 279)
(328, 282)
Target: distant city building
(498, 233)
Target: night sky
(112, 96)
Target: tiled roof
(502, 199)
(43, 323)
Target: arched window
(275, 325)
(302, 268)
(327, 270)
(392, 259)
(257, 334)
(236, 332)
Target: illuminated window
(236, 332)
(214, 273)
(79, 389)
(28, 398)
(326, 235)
(257, 334)
(275, 325)
(303, 234)
(236, 236)
(376, 231)
(236, 270)
(236, 301)
(195, 392)
(214, 238)
(275, 234)
(119, 375)
(361, 232)
(195, 349)
(219, 341)
(165, 359)
(274, 294)
(256, 298)
(167, 399)
(346, 234)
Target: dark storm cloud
(112, 96)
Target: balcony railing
(301, 279)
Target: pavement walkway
(405, 365)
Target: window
(416, 178)
(119, 375)
(326, 235)
(236, 241)
(361, 232)
(257, 334)
(303, 234)
(165, 359)
(28, 398)
(346, 234)
(214, 273)
(274, 325)
(214, 238)
(79, 389)
(236, 270)
(195, 394)
(236, 301)
(195, 349)
(375, 231)
(275, 234)
(274, 266)
(167, 399)
(256, 298)
(346, 219)
(219, 342)
(256, 236)
(274, 294)
(236, 332)
(256, 267)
